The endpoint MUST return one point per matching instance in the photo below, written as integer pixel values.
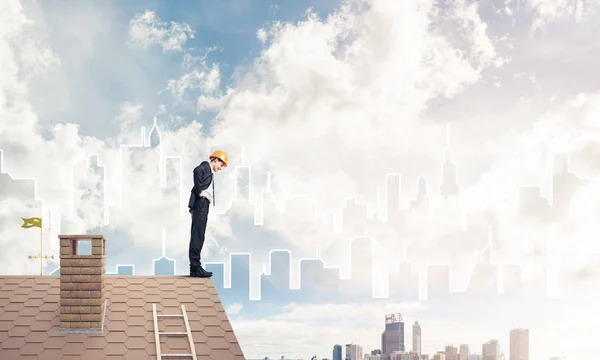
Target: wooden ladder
(187, 333)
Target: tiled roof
(29, 320)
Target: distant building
(399, 355)
(464, 352)
(451, 352)
(337, 352)
(354, 352)
(416, 338)
(392, 338)
(519, 344)
(491, 350)
(439, 356)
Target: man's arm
(198, 175)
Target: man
(202, 195)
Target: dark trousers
(199, 219)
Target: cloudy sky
(328, 98)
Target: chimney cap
(82, 236)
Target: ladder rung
(187, 333)
(178, 355)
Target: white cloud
(329, 107)
(147, 29)
(234, 309)
(58, 162)
(199, 75)
(367, 69)
(207, 81)
(549, 11)
(261, 35)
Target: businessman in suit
(202, 195)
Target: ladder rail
(156, 335)
(188, 333)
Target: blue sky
(329, 105)
(102, 75)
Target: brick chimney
(82, 298)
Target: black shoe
(202, 271)
(198, 271)
(198, 274)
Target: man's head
(218, 160)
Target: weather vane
(36, 222)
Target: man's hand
(199, 195)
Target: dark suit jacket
(202, 178)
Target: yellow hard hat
(221, 155)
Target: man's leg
(199, 220)
(194, 252)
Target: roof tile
(204, 303)
(36, 337)
(119, 298)
(11, 354)
(151, 291)
(113, 315)
(211, 321)
(9, 317)
(76, 338)
(29, 320)
(23, 290)
(136, 302)
(24, 320)
(17, 331)
(214, 331)
(95, 342)
(137, 342)
(34, 302)
(116, 325)
(52, 306)
(184, 291)
(217, 343)
(14, 306)
(115, 349)
(177, 343)
(55, 343)
(199, 336)
(32, 349)
(45, 315)
(135, 354)
(151, 349)
(135, 280)
(116, 337)
(13, 343)
(135, 287)
(236, 349)
(135, 320)
(222, 354)
(150, 283)
(52, 354)
(203, 349)
(119, 291)
(93, 354)
(72, 348)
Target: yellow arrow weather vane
(36, 222)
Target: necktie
(213, 186)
